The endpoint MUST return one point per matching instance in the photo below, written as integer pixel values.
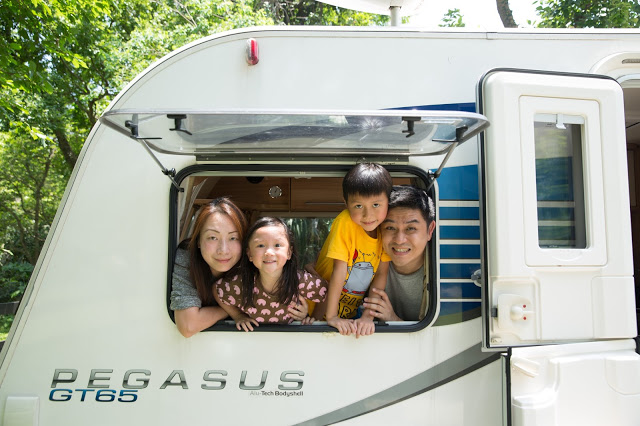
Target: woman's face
(220, 243)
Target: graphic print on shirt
(360, 276)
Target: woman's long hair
(199, 270)
(287, 287)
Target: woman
(214, 249)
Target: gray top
(183, 292)
(405, 293)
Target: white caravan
(520, 139)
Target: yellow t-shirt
(347, 241)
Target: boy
(352, 254)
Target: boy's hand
(364, 326)
(344, 326)
(244, 323)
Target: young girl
(269, 280)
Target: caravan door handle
(519, 312)
(515, 314)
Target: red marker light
(252, 51)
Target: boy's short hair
(366, 179)
(413, 198)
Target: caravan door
(556, 262)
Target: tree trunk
(70, 157)
(505, 14)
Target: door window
(559, 181)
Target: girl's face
(220, 243)
(269, 249)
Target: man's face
(405, 235)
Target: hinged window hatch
(380, 132)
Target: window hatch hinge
(170, 173)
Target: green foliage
(32, 179)
(63, 61)
(309, 234)
(33, 31)
(453, 18)
(5, 325)
(589, 13)
(310, 12)
(14, 277)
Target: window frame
(594, 254)
(395, 327)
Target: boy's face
(368, 211)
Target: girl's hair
(287, 287)
(199, 270)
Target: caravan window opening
(559, 181)
(306, 197)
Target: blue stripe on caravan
(458, 270)
(466, 290)
(460, 232)
(449, 308)
(463, 106)
(468, 213)
(459, 183)
(459, 251)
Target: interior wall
(632, 123)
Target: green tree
(453, 18)
(13, 280)
(589, 13)
(63, 61)
(311, 12)
(30, 30)
(54, 78)
(32, 179)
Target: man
(407, 229)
